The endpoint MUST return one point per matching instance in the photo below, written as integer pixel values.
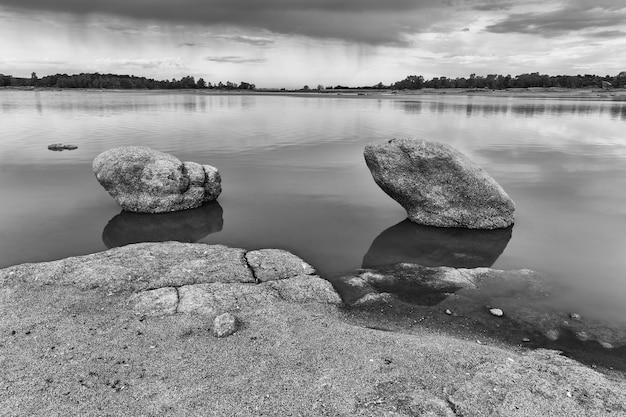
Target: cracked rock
(211, 299)
(276, 264)
(162, 301)
(148, 181)
(304, 289)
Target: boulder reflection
(435, 246)
(182, 226)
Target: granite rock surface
(144, 180)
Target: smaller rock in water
(525, 340)
(606, 345)
(224, 325)
(144, 180)
(553, 335)
(496, 312)
(582, 336)
(61, 147)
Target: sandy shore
(72, 342)
(544, 93)
(618, 94)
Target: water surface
(294, 178)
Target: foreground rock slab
(105, 334)
(438, 185)
(148, 181)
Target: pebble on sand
(224, 325)
(496, 312)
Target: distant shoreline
(618, 94)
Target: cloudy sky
(291, 43)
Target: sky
(292, 43)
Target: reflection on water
(182, 226)
(483, 107)
(435, 246)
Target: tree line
(411, 82)
(501, 82)
(114, 81)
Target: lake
(294, 177)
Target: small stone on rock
(575, 316)
(448, 312)
(224, 325)
(496, 312)
(525, 340)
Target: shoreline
(618, 94)
(95, 333)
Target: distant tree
(188, 82)
(246, 86)
(201, 83)
(306, 88)
(5, 80)
(412, 82)
(320, 87)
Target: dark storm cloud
(234, 59)
(562, 21)
(491, 6)
(608, 34)
(366, 21)
(251, 40)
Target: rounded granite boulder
(144, 180)
(438, 185)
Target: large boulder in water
(438, 185)
(148, 181)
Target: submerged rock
(438, 185)
(148, 181)
(525, 293)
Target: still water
(294, 178)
